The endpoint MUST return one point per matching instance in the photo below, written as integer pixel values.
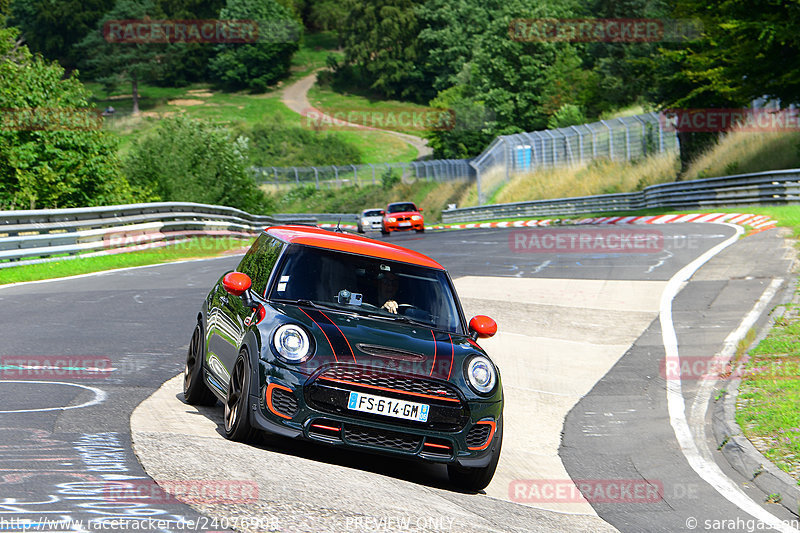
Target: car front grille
(330, 392)
(478, 435)
(284, 402)
(382, 380)
(381, 438)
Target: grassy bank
(766, 407)
(194, 248)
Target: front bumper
(415, 225)
(283, 406)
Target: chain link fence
(619, 139)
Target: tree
(448, 34)
(53, 28)
(111, 62)
(258, 65)
(380, 39)
(53, 152)
(186, 160)
(517, 83)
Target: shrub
(187, 160)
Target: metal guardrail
(44, 233)
(773, 187)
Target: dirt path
(295, 97)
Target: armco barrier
(765, 188)
(43, 233)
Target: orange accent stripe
(434, 352)
(432, 445)
(268, 395)
(329, 428)
(452, 356)
(491, 435)
(343, 336)
(323, 332)
(389, 390)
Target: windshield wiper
(300, 301)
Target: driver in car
(387, 290)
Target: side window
(260, 260)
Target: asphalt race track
(581, 346)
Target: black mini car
(343, 340)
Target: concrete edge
(731, 441)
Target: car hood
(382, 345)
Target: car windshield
(364, 285)
(373, 213)
(398, 208)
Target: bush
(258, 65)
(53, 152)
(187, 160)
(274, 143)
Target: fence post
(275, 174)
(336, 173)
(316, 177)
(610, 140)
(644, 134)
(580, 142)
(296, 177)
(373, 172)
(355, 174)
(627, 140)
(478, 181)
(552, 146)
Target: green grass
(194, 248)
(332, 102)
(767, 403)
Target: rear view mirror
(383, 212)
(482, 326)
(236, 283)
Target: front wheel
(420, 230)
(477, 479)
(384, 231)
(237, 402)
(195, 390)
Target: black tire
(360, 229)
(237, 402)
(195, 390)
(420, 230)
(477, 479)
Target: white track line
(697, 414)
(99, 396)
(708, 470)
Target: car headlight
(292, 343)
(481, 374)
(391, 219)
(416, 217)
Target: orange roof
(347, 242)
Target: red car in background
(402, 216)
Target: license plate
(379, 405)
(404, 224)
